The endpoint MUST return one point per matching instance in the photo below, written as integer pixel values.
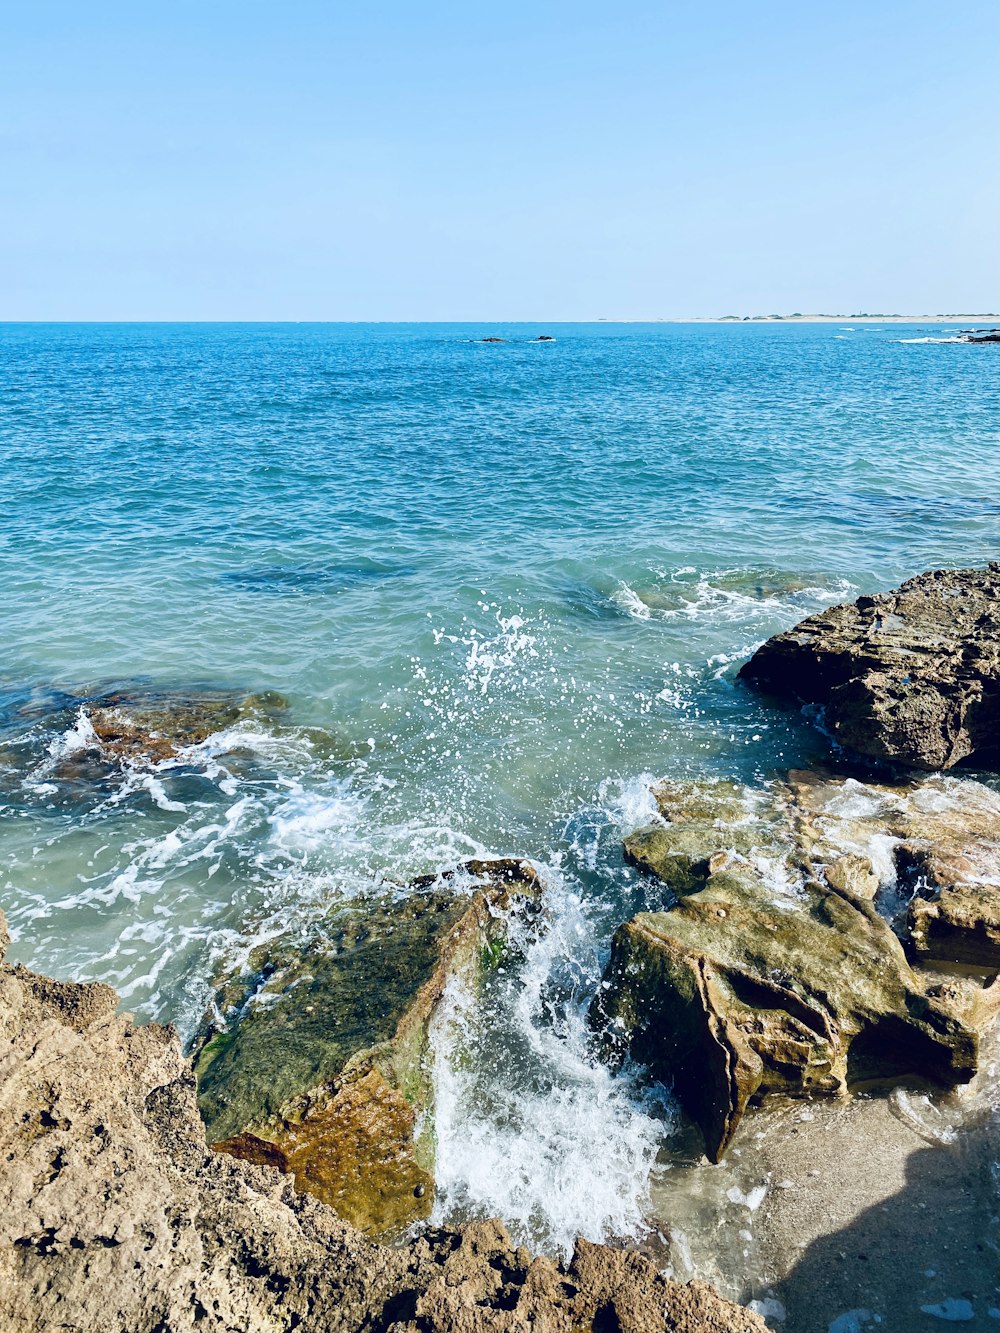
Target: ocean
(501, 586)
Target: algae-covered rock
(683, 857)
(774, 972)
(730, 995)
(73, 746)
(703, 826)
(938, 839)
(149, 726)
(911, 676)
(320, 1066)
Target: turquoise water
(499, 584)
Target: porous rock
(771, 970)
(319, 1066)
(910, 676)
(116, 1218)
(937, 839)
(145, 727)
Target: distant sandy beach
(809, 319)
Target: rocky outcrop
(770, 971)
(116, 1218)
(319, 1063)
(77, 745)
(910, 676)
(149, 727)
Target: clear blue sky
(514, 159)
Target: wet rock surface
(317, 1063)
(116, 1218)
(770, 969)
(66, 746)
(910, 676)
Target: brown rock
(730, 996)
(960, 924)
(116, 1218)
(148, 727)
(774, 972)
(911, 676)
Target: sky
(527, 160)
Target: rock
(730, 996)
(492, 340)
(960, 924)
(320, 1066)
(85, 739)
(116, 1218)
(938, 840)
(682, 856)
(773, 972)
(910, 676)
(149, 728)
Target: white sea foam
(309, 819)
(769, 1308)
(80, 736)
(486, 657)
(530, 1125)
(751, 1199)
(930, 340)
(629, 601)
(716, 597)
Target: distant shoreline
(825, 319)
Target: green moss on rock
(321, 1068)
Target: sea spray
(529, 1126)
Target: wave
(722, 596)
(930, 340)
(530, 1125)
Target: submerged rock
(99, 731)
(149, 727)
(320, 1065)
(910, 676)
(116, 1218)
(773, 972)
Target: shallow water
(501, 586)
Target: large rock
(320, 1064)
(771, 970)
(910, 676)
(959, 923)
(116, 1218)
(730, 996)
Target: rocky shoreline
(116, 1216)
(827, 936)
